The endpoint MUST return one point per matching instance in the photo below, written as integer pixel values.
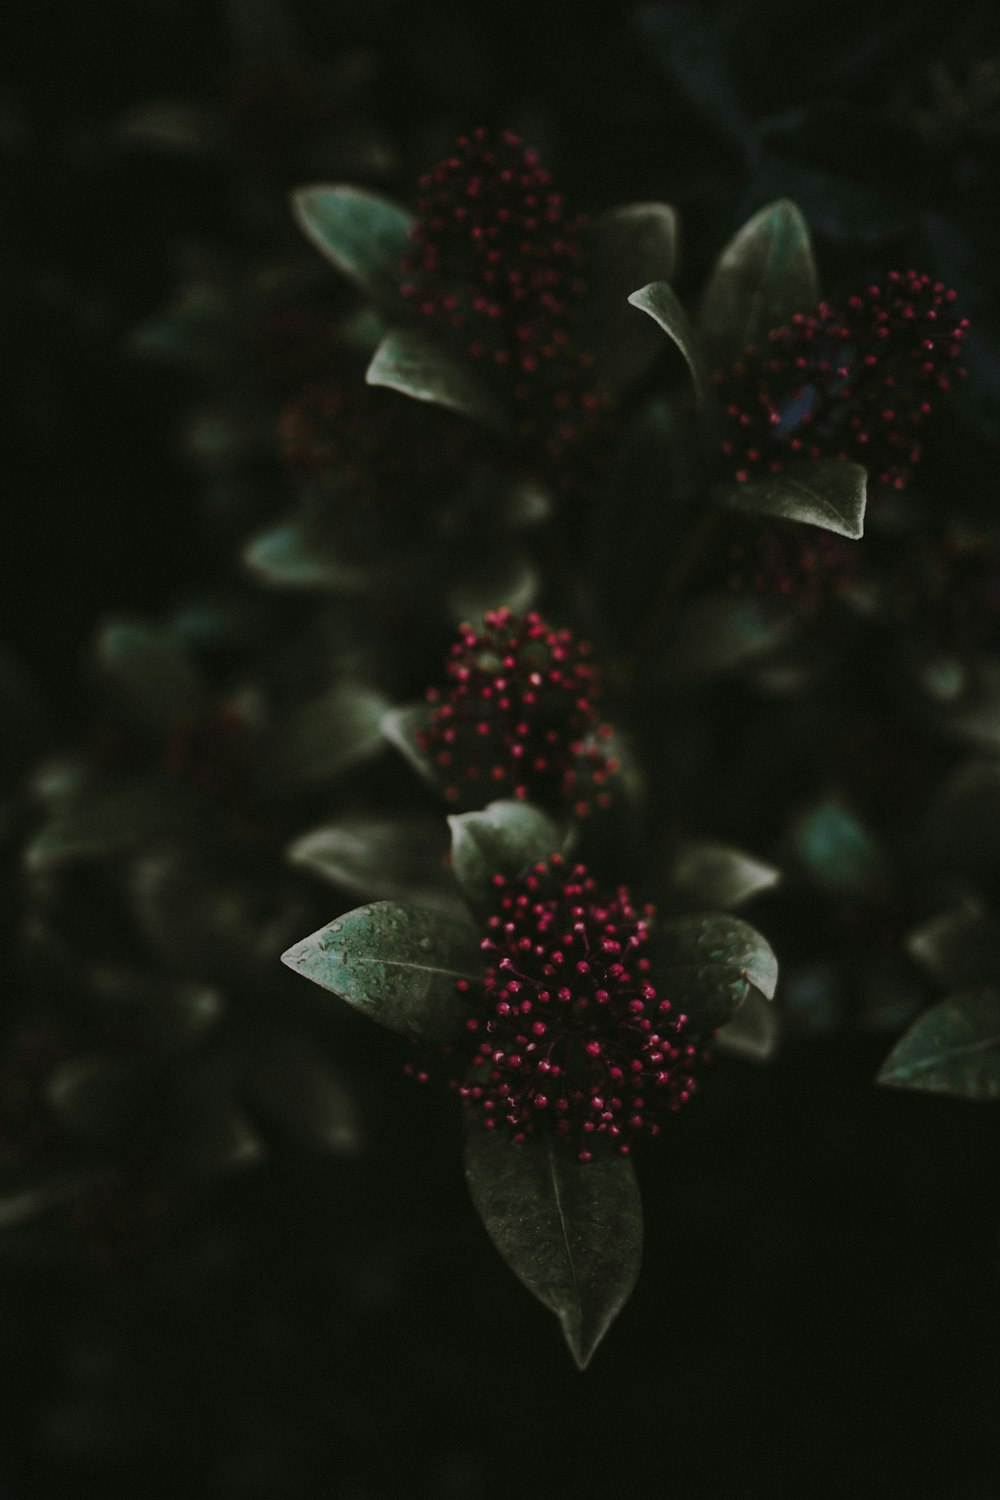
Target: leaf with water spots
(570, 1231)
(706, 965)
(503, 839)
(953, 1048)
(397, 964)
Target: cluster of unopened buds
(519, 717)
(850, 384)
(497, 265)
(573, 1031)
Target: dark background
(817, 1313)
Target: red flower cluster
(855, 384)
(498, 264)
(575, 1032)
(519, 717)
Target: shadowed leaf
(826, 492)
(503, 839)
(661, 303)
(362, 233)
(625, 248)
(409, 362)
(571, 1232)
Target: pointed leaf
(753, 1032)
(706, 965)
(365, 235)
(329, 735)
(409, 362)
(960, 948)
(570, 1231)
(296, 555)
(386, 859)
(836, 849)
(624, 248)
(953, 1048)
(718, 876)
(720, 632)
(400, 727)
(397, 964)
(149, 675)
(826, 492)
(765, 274)
(503, 839)
(661, 302)
(509, 581)
(109, 819)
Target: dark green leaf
(363, 234)
(625, 248)
(385, 859)
(503, 839)
(660, 301)
(764, 275)
(508, 581)
(571, 1231)
(400, 727)
(107, 819)
(718, 876)
(836, 849)
(720, 632)
(825, 492)
(706, 964)
(219, 926)
(960, 948)
(297, 555)
(690, 46)
(156, 1012)
(409, 362)
(753, 1032)
(953, 1048)
(297, 1092)
(399, 965)
(328, 736)
(148, 675)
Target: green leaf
(400, 727)
(385, 859)
(764, 275)
(328, 736)
(570, 1231)
(753, 1032)
(719, 876)
(409, 362)
(365, 235)
(149, 676)
(107, 819)
(836, 849)
(509, 581)
(660, 301)
(503, 839)
(953, 1048)
(624, 248)
(721, 632)
(706, 965)
(825, 492)
(397, 964)
(293, 1087)
(960, 948)
(297, 555)
(219, 925)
